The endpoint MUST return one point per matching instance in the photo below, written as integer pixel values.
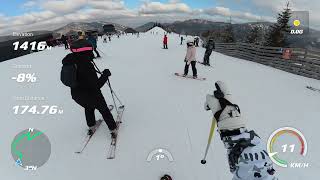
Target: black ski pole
(121, 105)
(101, 51)
(114, 102)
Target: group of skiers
(247, 158)
(190, 58)
(246, 155)
(107, 36)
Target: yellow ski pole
(211, 135)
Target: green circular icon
(30, 149)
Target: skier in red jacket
(165, 42)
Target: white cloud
(29, 4)
(238, 15)
(32, 17)
(174, 1)
(107, 4)
(56, 13)
(65, 6)
(162, 8)
(218, 11)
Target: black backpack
(68, 75)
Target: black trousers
(66, 46)
(207, 54)
(194, 69)
(95, 50)
(91, 101)
(102, 107)
(165, 46)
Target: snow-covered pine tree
(276, 37)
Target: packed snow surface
(162, 111)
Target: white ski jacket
(230, 118)
(191, 54)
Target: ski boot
(114, 133)
(92, 130)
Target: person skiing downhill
(181, 40)
(210, 46)
(248, 160)
(87, 93)
(165, 42)
(190, 59)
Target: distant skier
(93, 40)
(247, 157)
(87, 93)
(181, 40)
(165, 42)
(109, 37)
(210, 46)
(64, 40)
(196, 41)
(105, 38)
(190, 59)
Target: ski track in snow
(162, 111)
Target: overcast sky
(27, 15)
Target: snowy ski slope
(162, 111)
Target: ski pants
(194, 69)
(66, 46)
(254, 162)
(92, 101)
(207, 54)
(97, 52)
(165, 46)
(102, 107)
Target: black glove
(106, 73)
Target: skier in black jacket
(209, 48)
(88, 94)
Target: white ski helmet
(190, 42)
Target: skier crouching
(248, 160)
(87, 93)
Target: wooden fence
(302, 62)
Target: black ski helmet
(166, 177)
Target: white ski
(113, 144)
(88, 137)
